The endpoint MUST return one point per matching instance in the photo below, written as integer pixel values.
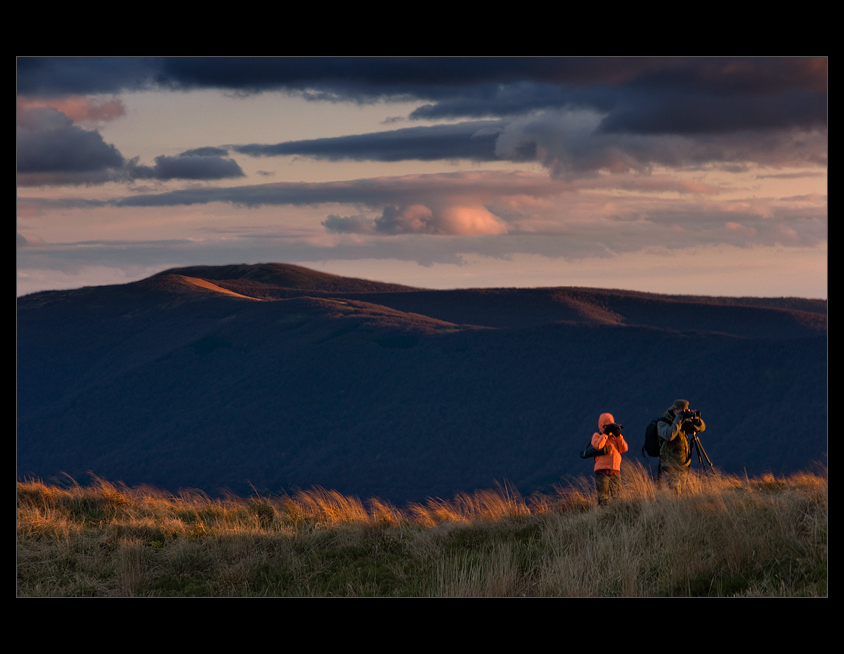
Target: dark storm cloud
(582, 115)
(574, 115)
(52, 150)
(208, 151)
(48, 142)
(693, 111)
(566, 143)
(192, 166)
(658, 95)
(634, 94)
(361, 78)
(58, 76)
(475, 141)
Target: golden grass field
(722, 536)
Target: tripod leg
(698, 447)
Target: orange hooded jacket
(611, 460)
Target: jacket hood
(603, 420)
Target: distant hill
(262, 280)
(274, 376)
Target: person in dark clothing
(675, 456)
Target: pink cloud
(77, 108)
(465, 221)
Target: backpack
(651, 446)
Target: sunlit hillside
(725, 536)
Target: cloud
(77, 108)
(51, 147)
(420, 219)
(528, 214)
(475, 141)
(356, 78)
(455, 189)
(576, 143)
(53, 150)
(208, 151)
(574, 115)
(624, 211)
(60, 76)
(629, 157)
(191, 167)
(566, 143)
(635, 94)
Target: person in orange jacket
(610, 441)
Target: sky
(703, 176)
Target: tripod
(697, 447)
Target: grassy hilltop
(726, 536)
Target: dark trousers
(607, 486)
(673, 476)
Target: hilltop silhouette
(274, 376)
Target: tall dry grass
(722, 536)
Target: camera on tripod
(691, 420)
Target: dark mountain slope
(177, 383)
(517, 308)
(511, 308)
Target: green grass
(724, 536)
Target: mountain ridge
(181, 380)
(283, 275)
(491, 307)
